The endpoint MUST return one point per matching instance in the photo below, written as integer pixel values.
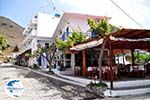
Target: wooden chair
(77, 70)
(147, 68)
(92, 72)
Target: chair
(105, 73)
(147, 68)
(89, 70)
(92, 72)
(142, 71)
(134, 71)
(77, 70)
(127, 69)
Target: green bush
(99, 84)
(35, 66)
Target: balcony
(25, 31)
(30, 36)
(34, 21)
(26, 47)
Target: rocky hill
(12, 31)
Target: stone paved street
(38, 87)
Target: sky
(21, 11)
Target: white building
(68, 22)
(43, 29)
(39, 31)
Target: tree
(101, 29)
(3, 43)
(75, 38)
(61, 44)
(142, 57)
(50, 52)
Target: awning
(122, 39)
(86, 45)
(128, 39)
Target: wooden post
(84, 62)
(123, 57)
(118, 59)
(110, 65)
(138, 53)
(132, 55)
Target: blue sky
(21, 11)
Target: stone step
(128, 91)
(130, 83)
(134, 87)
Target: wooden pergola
(130, 39)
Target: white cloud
(137, 9)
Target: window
(68, 56)
(39, 45)
(67, 30)
(60, 32)
(38, 41)
(47, 45)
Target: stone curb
(51, 76)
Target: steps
(134, 87)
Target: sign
(14, 88)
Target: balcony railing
(30, 36)
(34, 21)
(26, 47)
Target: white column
(72, 62)
(64, 59)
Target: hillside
(12, 31)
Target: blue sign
(14, 88)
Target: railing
(30, 35)
(34, 21)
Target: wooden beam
(84, 62)
(110, 65)
(129, 33)
(123, 57)
(132, 55)
(139, 34)
(131, 45)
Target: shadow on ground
(69, 92)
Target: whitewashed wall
(46, 25)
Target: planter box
(95, 90)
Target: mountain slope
(12, 31)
